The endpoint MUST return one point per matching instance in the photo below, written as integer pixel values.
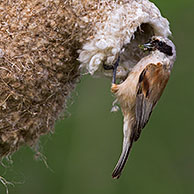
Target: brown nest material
(40, 42)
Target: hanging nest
(43, 43)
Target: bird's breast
(127, 90)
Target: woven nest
(43, 43)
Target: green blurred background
(84, 149)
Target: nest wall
(38, 67)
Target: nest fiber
(43, 43)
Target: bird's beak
(146, 47)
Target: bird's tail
(127, 144)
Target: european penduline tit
(141, 90)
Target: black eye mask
(159, 45)
(163, 47)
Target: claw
(108, 67)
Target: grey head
(162, 44)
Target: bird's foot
(108, 67)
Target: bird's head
(161, 44)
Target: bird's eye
(160, 43)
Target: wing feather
(152, 82)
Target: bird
(139, 93)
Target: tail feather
(122, 160)
(128, 132)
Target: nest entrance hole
(132, 53)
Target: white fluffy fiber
(117, 30)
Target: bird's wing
(152, 82)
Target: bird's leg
(115, 70)
(114, 87)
